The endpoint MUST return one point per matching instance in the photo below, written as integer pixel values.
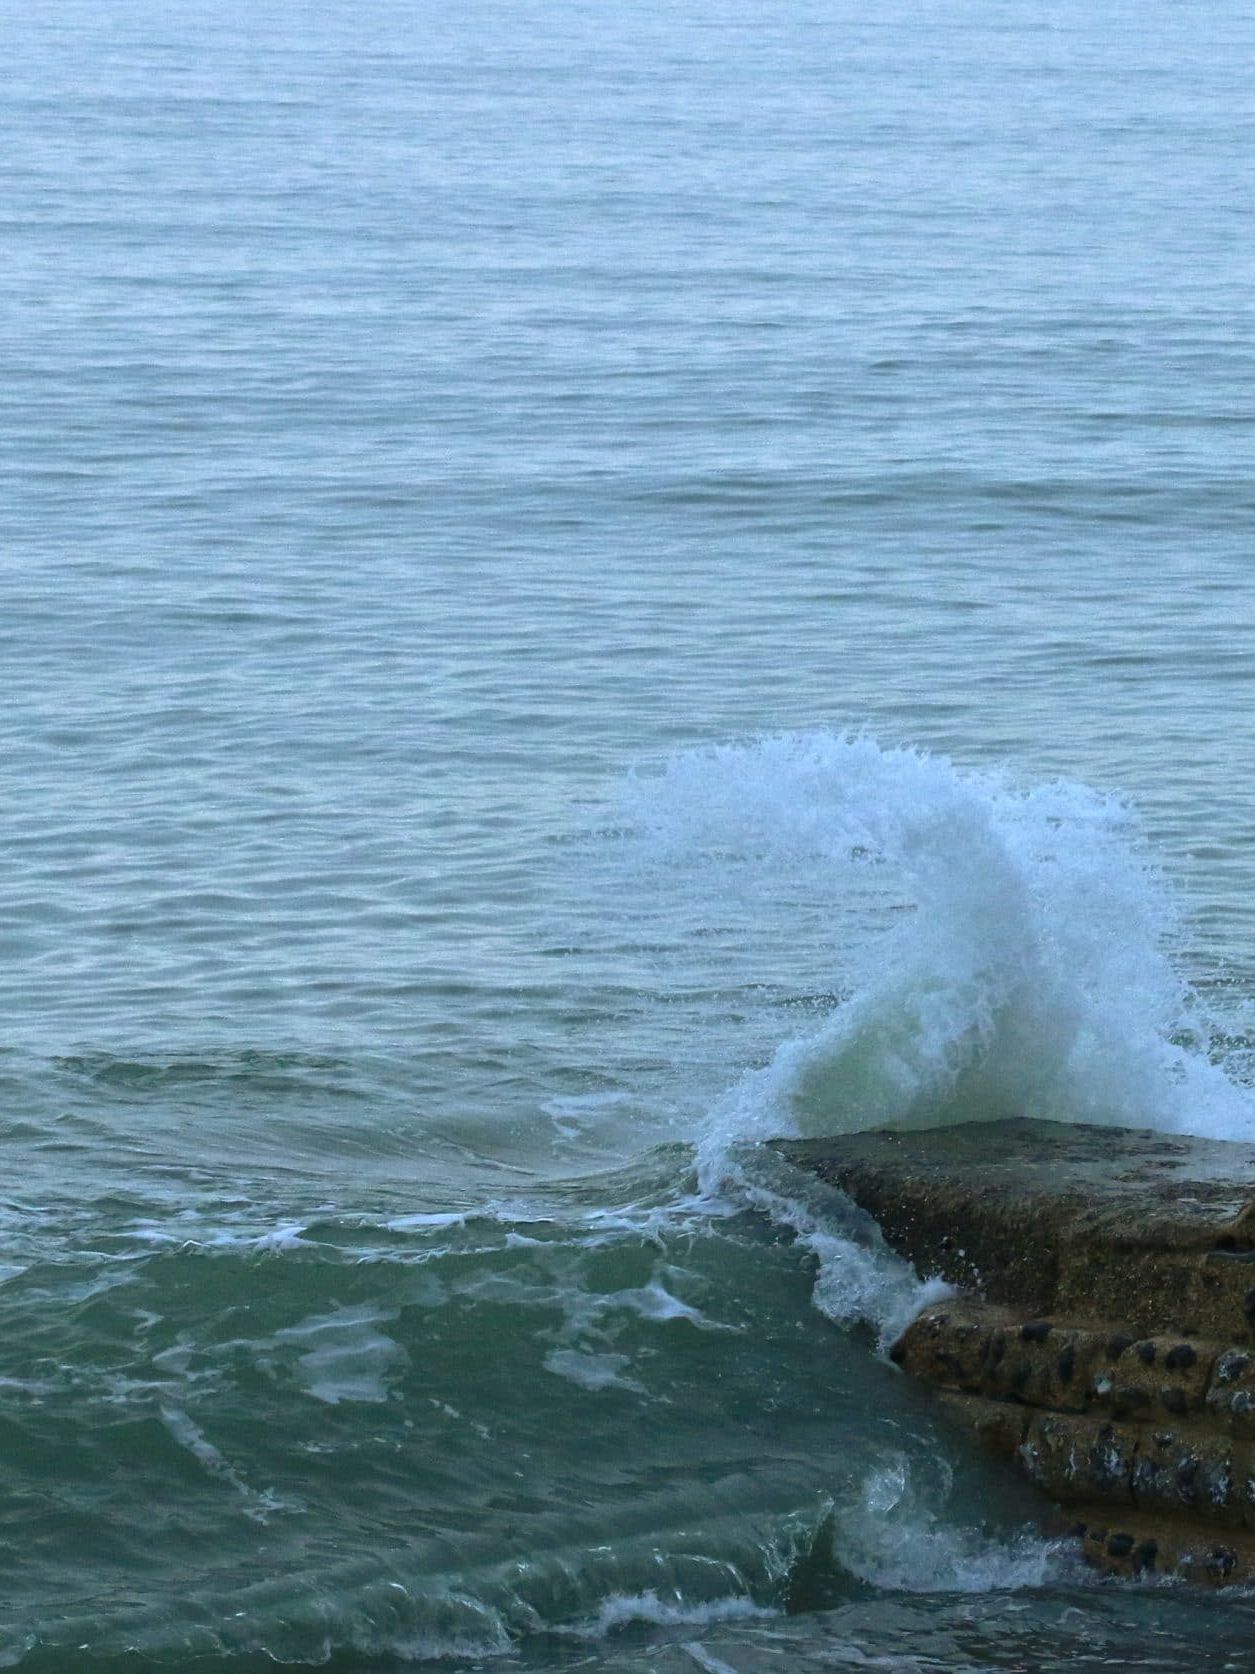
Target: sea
(584, 586)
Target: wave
(595, 1408)
(991, 949)
(891, 1537)
(452, 1435)
(998, 950)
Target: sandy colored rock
(1106, 1340)
(1156, 1231)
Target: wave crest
(998, 950)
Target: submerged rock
(1106, 1340)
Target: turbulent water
(583, 587)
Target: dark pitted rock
(1107, 1343)
(1139, 1544)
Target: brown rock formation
(1108, 1340)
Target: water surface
(497, 497)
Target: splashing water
(1003, 951)
(992, 951)
(891, 1537)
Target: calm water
(496, 498)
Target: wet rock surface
(1105, 1340)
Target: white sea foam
(654, 1302)
(219, 1240)
(346, 1358)
(258, 1506)
(591, 1370)
(590, 1321)
(891, 1537)
(621, 1609)
(856, 1282)
(1002, 951)
(493, 1641)
(997, 951)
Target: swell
(440, 1435)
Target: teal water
(581, 587)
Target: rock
(1106, 1340)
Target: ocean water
(581, 587)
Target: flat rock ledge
(1105, 1334)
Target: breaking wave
(986, 950)
(994, 950)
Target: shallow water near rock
(580, 590)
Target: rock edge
(1107, 1340)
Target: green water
(473, 477)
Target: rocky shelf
(1104, 1335)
